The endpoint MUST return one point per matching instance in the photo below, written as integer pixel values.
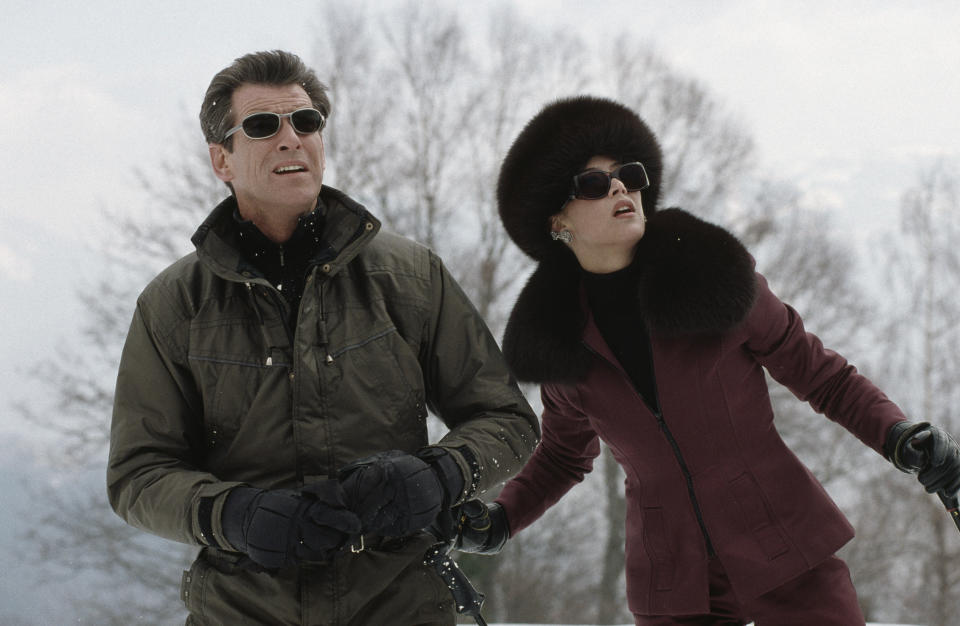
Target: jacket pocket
(219, 589)
(230, 389)
(756, 515)
(384, 366)
(192, 587)
(236, 365)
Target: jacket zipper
(281, 304)
(662, 424)
(688, 477)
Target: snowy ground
(868, 624)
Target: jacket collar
(348, 228)
(694, 278)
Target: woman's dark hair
(275, 67)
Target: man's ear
(219, 159)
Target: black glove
(928, 450)
(398, 494)
(279, 527)
(483, 528)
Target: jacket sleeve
(153, 480)
(471, 389)
(799, 361)
(565, 455)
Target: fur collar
(694, 278)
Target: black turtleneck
(285, 264)
(616, 311)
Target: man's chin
(299, 201)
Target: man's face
(278, 177)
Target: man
(296, 340)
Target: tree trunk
(608, 595)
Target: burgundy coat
(714, 449)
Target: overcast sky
(848, 100)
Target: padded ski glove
(398, 494)
(926, 449)
(483, 528)
(280, 527)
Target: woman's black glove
(928, 450)
(483, 528)
(397, 494)
(280, 527)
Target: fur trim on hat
(537, 174)
(694, 278)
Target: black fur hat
(536, 175)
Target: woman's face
(605, 230)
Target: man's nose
(287, 137)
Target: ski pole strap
(468, 600)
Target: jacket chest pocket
(380, 388)
(236, 376)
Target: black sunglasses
(596, 183)
(265, 125)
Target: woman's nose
(617, 186)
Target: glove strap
(205, 520)
(447, 469)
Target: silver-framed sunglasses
(265, 125)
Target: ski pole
(952, 504)
(468, 600)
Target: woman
(650, 330)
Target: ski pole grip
(951, 504)
(919, 445)
(468, 600)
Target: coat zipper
(688, 477)
(662, 424)
(281, 304)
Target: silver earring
(564, 235)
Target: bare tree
(811, 269)
(707, 153)
(424, 108)
(922, 263)
(79, 536)
(363, 131)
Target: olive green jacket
(215, 390)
